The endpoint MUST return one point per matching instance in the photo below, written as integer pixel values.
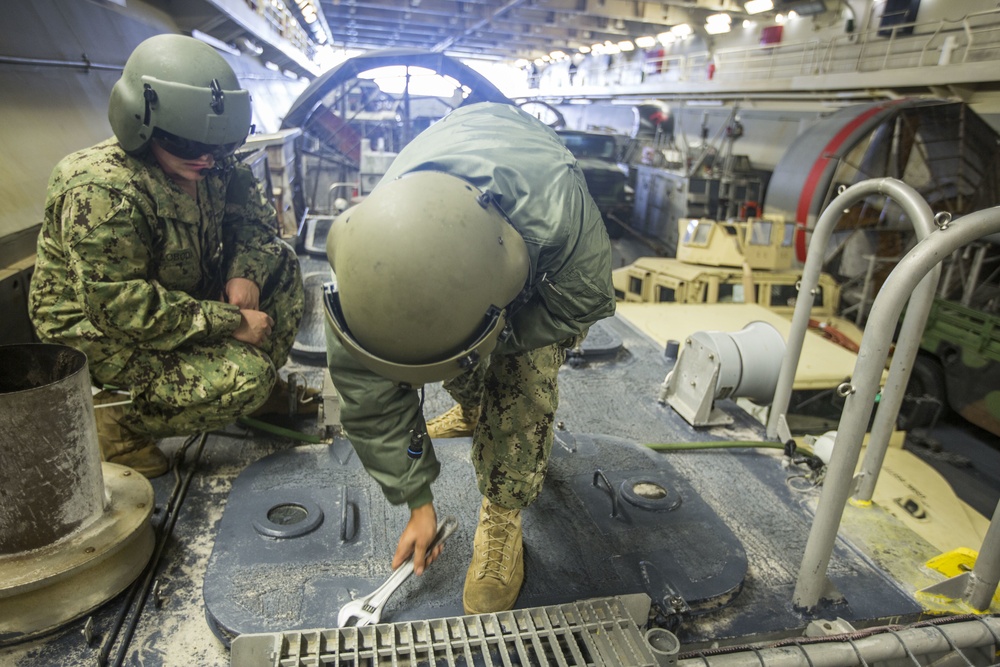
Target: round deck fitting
(42, 589)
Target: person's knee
(252, 387)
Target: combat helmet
(428, 269)
(180, 89)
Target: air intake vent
(593, 632)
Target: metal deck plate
(331, 537)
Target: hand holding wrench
(368, 610)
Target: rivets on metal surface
(89, 550)
(126, 473)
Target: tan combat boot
(122, 446)
(290, 399)
(497, 570)
(455, 423)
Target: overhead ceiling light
(584, 49)
(597, 48)
(626, 45)
(779, 19)
(717, 28)
(718, 18)
(747, 23)
(758, 6)
(557, 55)
(792, 15)
(666, 38)
(682, 30)
(645, 42)
(611, 48)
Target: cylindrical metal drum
(50, 466)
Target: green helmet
(427, 268)
(182, 87)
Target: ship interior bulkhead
(739, 475)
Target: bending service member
(478, 259)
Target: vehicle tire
(924, 393)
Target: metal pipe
(916, 210)
(986, 572)
(50, 465)
(860, 395)
(874, 649)
(903, 359)
(49, 62)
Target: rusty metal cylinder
(51, 483)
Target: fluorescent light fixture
(271, 66)
(717, 28)
(779, 19)
(682, 30)
(546, 59)
(557, 55)
(611, 49)
(758, 6)
(539, 62)
(584, 49)
(645, 42)
(747, 24)
(520, 63)
(666, 38)
(719, 18)
(597, 48)
(626, 45)
(792, 15)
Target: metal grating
(597, 633)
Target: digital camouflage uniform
(131, 270)
(539, 186)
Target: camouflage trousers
(518, 394)
(205, 386)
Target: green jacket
(127, 261)
(538, 184)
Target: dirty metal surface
(266, 577)
(613, 398)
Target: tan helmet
(426, 269)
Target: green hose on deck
(280, 431)
(713, 444)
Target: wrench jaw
(356, 613)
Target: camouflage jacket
(540, 187)
(126, 260)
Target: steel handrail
(913, 269)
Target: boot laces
(501, 531)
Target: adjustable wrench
(368, 610)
